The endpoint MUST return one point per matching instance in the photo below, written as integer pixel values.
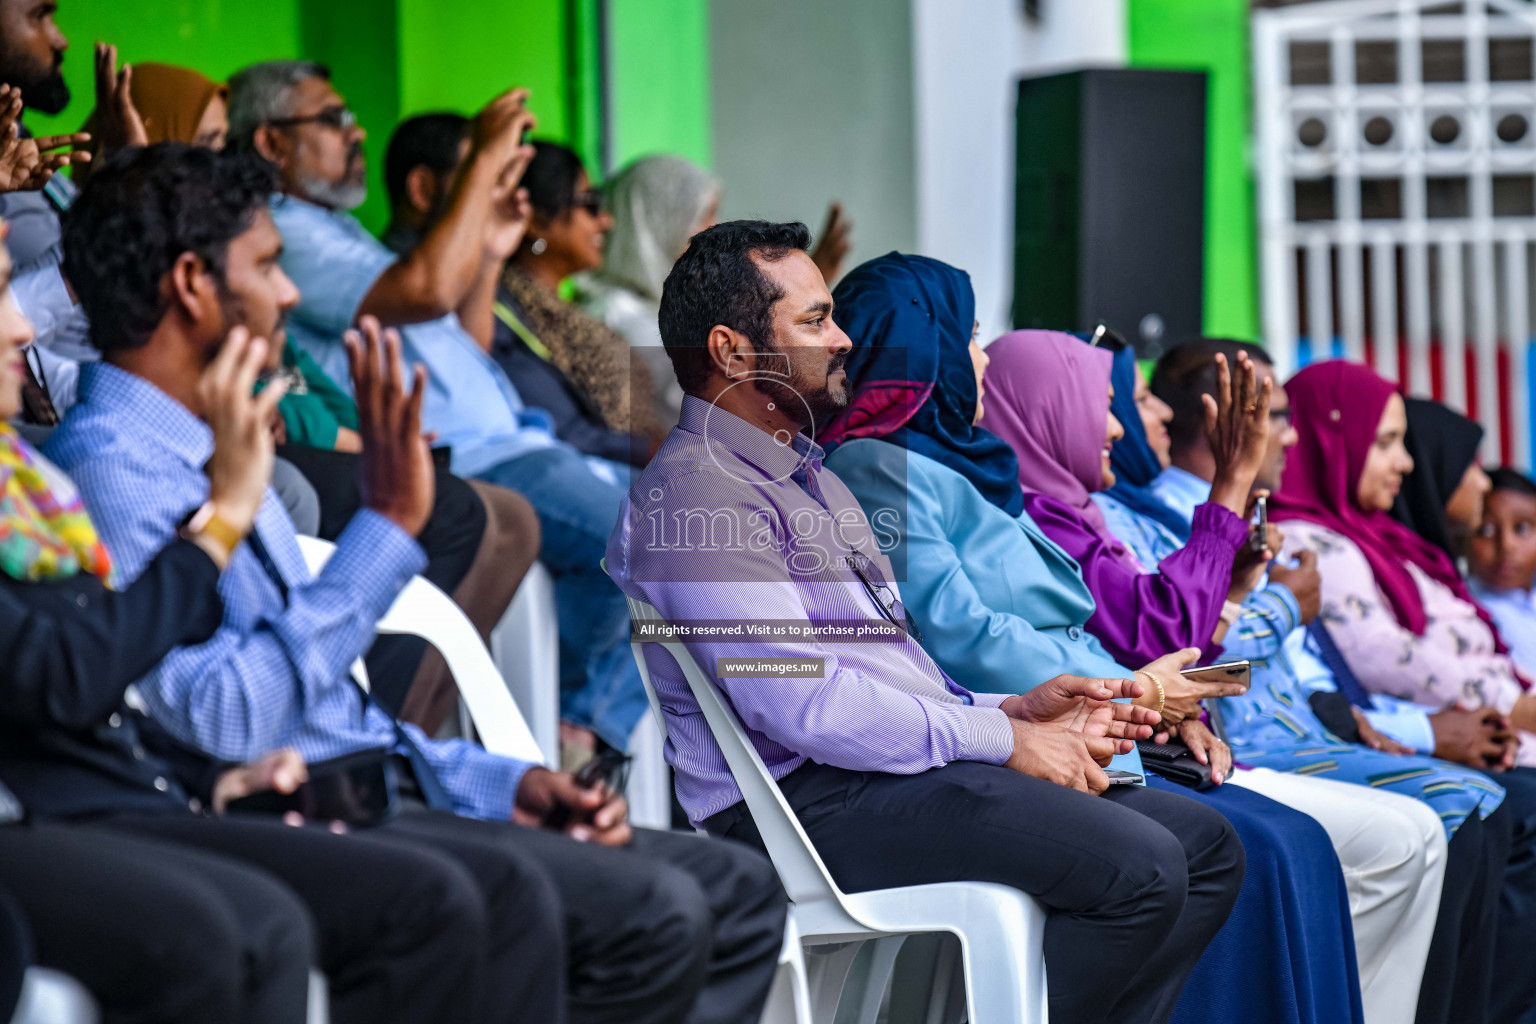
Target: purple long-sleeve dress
(1143, 615)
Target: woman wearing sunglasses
(561, 360)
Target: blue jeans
(600, 686)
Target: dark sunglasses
(340, 119)
(590, 200)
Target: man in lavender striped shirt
(900, 775)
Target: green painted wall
(658, 88)
(215, 36)
(395, 58)
(1212, 35)
(362, 53)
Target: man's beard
(235, 315)
(345, 194)
(334, 195)
(798, 399)
(43, 89)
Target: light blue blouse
(1001, 607)
(470, 404)
(1514, 612)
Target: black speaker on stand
(1110, 204)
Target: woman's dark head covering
(1135, 463)
(910, 374)
(1444, 444)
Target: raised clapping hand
(1066, 729)
(118, 123)
(399, 481)
(510, 214)
(497, 135)
(1237, 425)
(834, 245)
(27, 164)
(498, 129)
(241, 465)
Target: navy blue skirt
(1287, 953)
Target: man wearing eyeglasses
(441, 296)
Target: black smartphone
(607, 767)
(358, 789)
(1258, 537)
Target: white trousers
(1392, 850)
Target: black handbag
(1176, 763)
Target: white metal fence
(1397, 196)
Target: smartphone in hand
(608, 767)
(1258, 536)
(1226, 672)
(357, 789)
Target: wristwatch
(206, 522)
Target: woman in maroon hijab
(1403, 620)
(1393, 602)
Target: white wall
(901, 109)
(967, 58)
(811, 101)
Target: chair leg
(881, 963)
(943, 983)
(827, 973)
(319, 999)
(995, 996)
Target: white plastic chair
(53, 997)
(789, 995)
(1001, 930)
(526, 648)
(650, 783)
(423, 610)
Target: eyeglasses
(590, 200)
(340, 119)
(879, 591)
(882, 594)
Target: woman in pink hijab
(1048, 397)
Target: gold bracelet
(1162, 695)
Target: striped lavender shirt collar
(729, 524)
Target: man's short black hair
(136, 216)
(1187, 372)
(717, 282)
(426, 140)
(1507, 479)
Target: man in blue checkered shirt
(659, 927)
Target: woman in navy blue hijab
(912, 320)
(1133, 459)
